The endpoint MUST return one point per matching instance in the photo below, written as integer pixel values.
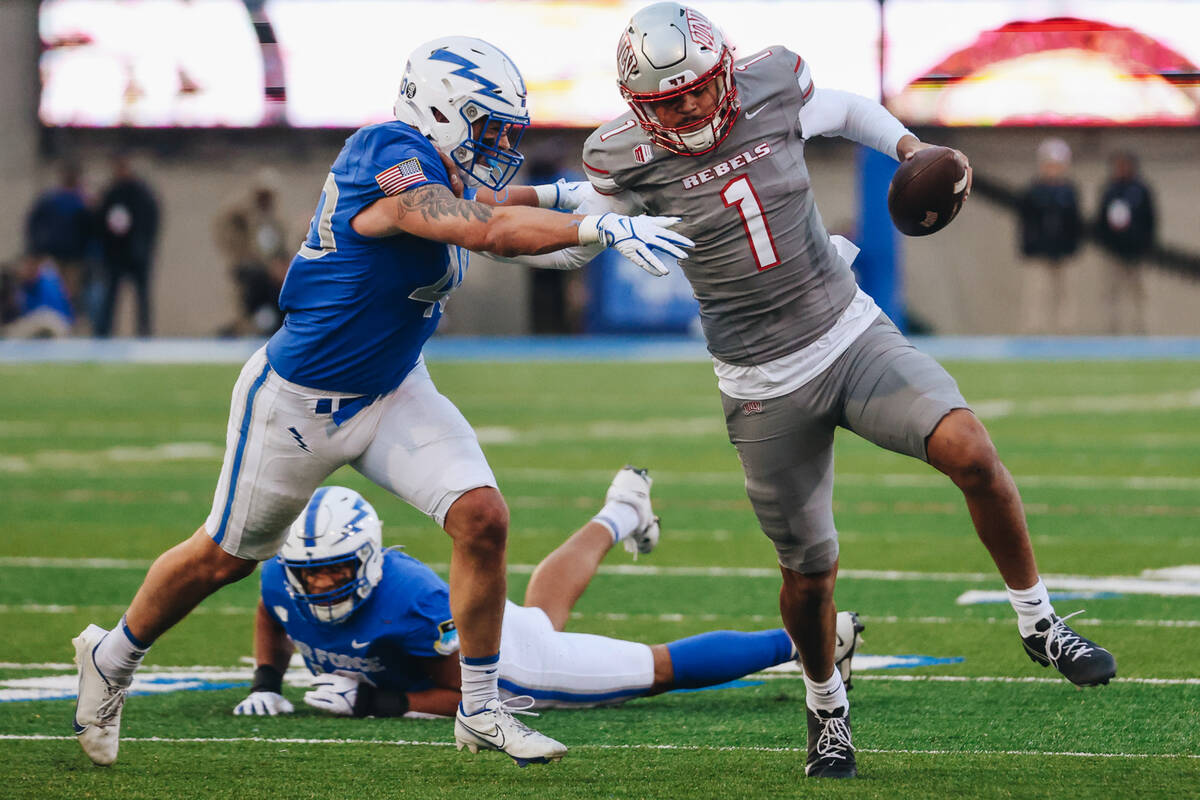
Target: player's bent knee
(480, 518)
(218, 566)
(812, 557)
(961, 448)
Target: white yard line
(1010, 679)
(1170, 581)
(91, 459)
(927, 480)
(27, 737)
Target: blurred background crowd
(129, 214)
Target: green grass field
(119, 462)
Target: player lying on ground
(343, 381)
(798, 348)
(375, 627)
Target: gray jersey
(768, 279)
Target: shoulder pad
(778, 62)
(611, 150)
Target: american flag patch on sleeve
(395, 180)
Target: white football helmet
(668, 50)
(336, 527)
(466, 95)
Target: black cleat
(830, 753)
(1081, 661)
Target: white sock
(827, 695)
(117, 657)
(479, 681)
(620, 518)
(1031, 605)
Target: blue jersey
(359, 309)
(405, 620)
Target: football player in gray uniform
(797, 347)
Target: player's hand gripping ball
(928, 190)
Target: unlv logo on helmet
(626, 58)
(700, 29)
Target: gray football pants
(882, 388)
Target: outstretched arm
(350, 695)
(433, 212)
(830, 112)
(835, 113)
(272, 646)
(272, 652)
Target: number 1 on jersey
(740, 192)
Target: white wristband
(589, 230)
(547, 195)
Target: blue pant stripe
(243, 433)
(570, 697)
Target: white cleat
(98, 708)
(495, 728)
(632, 487)
(849, 626)
(848, 639)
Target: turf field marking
(1011, 679)
(926, 480)
(36, 737)
(39, 608)
(83, 459)
(696, 426)
(299, 676)
(1097, 404)
(1150, 582)
(1134, 623)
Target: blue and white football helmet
(465, 95)
(337, 527)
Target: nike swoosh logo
(1032, 602)
(495, 739)
(357, 645)
(754, 113)
(78, 728)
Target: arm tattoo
(434, 201)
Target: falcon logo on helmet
(666, 52)
(468, 98)
(338, 532)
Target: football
(927, 192)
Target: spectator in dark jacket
(59, 226)
(1125, 228)
(1051, 227)
(128, 223)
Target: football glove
(636, 238)
(563, 194)
(335, 693)
(263, 704)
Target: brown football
(927, 191)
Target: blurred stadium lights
(335, 63)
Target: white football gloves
(335, 693)
(636, 238)
(564, 195)
(263, 704)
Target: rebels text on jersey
(768, 279)
(404, 622)
(359, 309)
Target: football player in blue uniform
(375, 628)
(343, 381)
